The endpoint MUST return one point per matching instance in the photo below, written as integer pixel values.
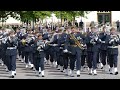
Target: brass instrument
(114, 37)
(76, 42)
(23, 41)
(94, 38)
(40, 45)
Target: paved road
(53, 73)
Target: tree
(61, 15)
(42, 14)
(3, 16)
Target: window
(104, 16)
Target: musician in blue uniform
(11, 53)
(55, 48)
(46, 37)
(113, 41)
(103, 48)
(75, 38)
(1, 36)
(29, 41)
(39, 55)
(19, 35)
(50, 54)
(84, 52)
(61, 40)
(3, 50)
(64, 43)
(92, 42)
(22, 47)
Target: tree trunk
(33, 25)
(2, 22)
(61, 19)
(73, 20)
(27, 24)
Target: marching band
(67, 49)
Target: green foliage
(42, 14)
(70, 15)
(3, 16)
(27, 16)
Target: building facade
(101, 17)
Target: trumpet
(80, 45)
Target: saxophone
(76, 41)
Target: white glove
(65, 51)
(41, 46)
(54, 45)
(46, 42)
(111, 41)
(96, 38)
(82, 45)
(38, 48)
(117, 40)
(33, 38)
(93, 43)
(102, 41)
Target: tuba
(80, 45)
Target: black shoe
(15, 73)
(38, 75)
(43, 76)
(66, 74)
(57, 66)
(116, 73)
(78, 75)
(111, 73)
(95, 74)
(61, 71)
(7, 70)
(89, 73)
(101, 67)
(71, 75)
(12, 76)
(39, 72)
(31, 68)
